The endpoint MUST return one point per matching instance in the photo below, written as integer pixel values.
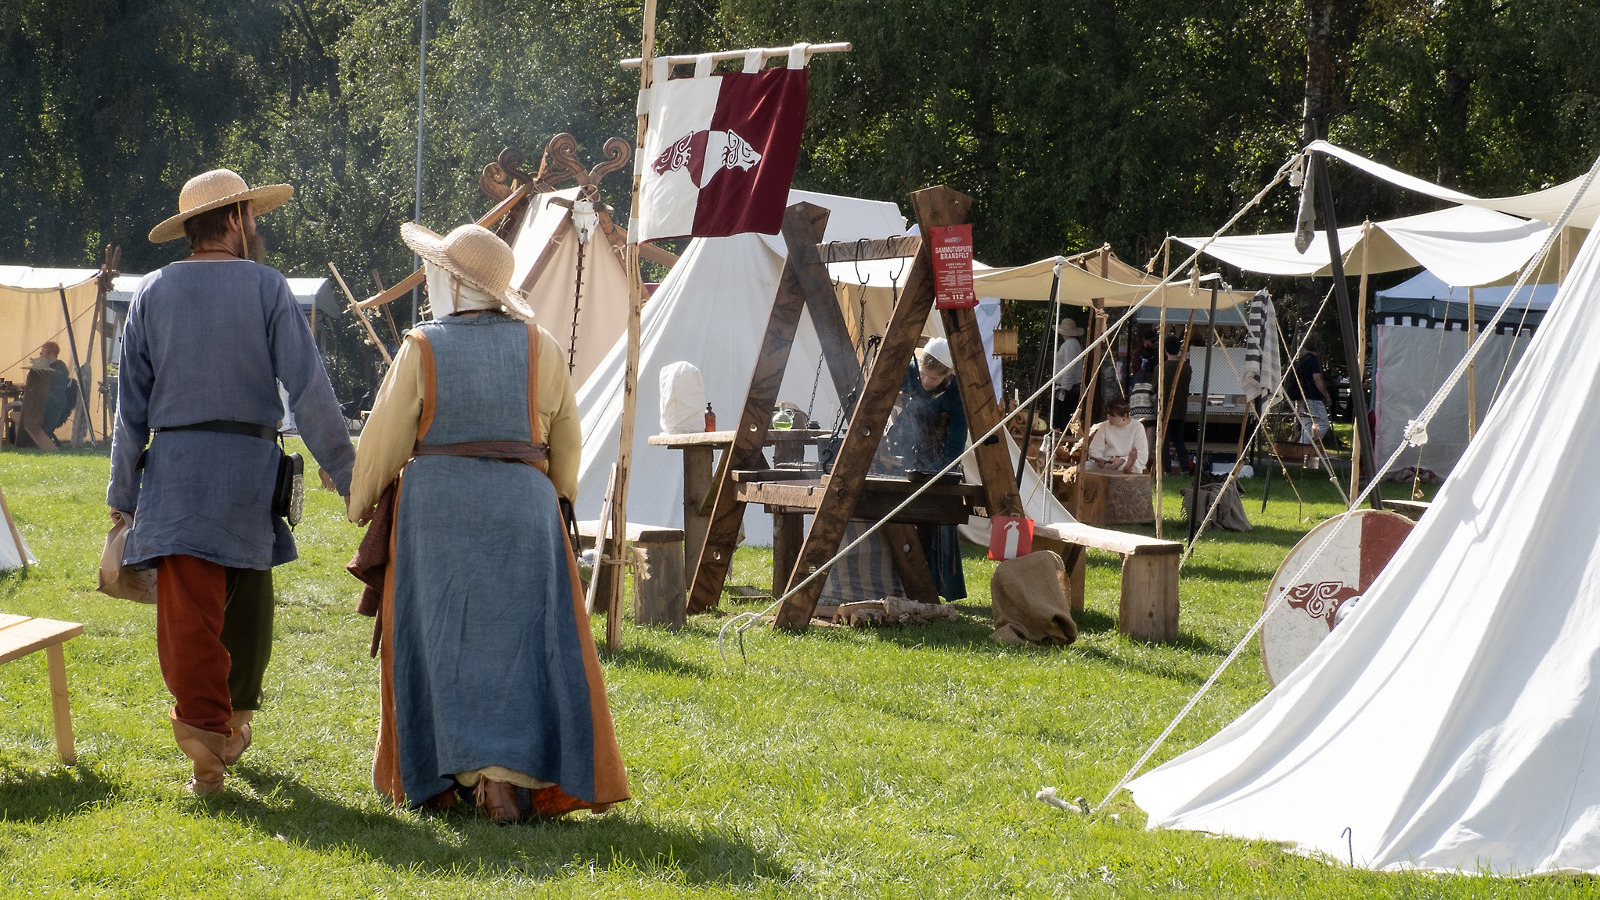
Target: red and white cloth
(721, 148)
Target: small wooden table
(699, 473)
(20, 636)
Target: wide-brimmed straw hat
(214, 189)
(475, 255)
(1069, 328)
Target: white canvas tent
(1452, 722)
(14, 552)
(31, 313)
(578, 290)
(1418, 336)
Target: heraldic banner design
(721, 149)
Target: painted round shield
(1339, 575)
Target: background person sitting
(1117, 446)
(62, 392)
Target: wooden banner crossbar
(906, 245)
(725, 55)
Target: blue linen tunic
(211, 340)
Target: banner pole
(611, 553)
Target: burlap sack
(1031, 600)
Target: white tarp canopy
(1079, 287)
(14, 552)
(1463, 245)
(1452, 722)
(1545, 205)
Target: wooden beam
(934, 206)
(983, 411)
(803, 223)
(901, 247)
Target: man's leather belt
(505, 451)
(248, 429)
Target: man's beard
(256, 248)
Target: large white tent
(14, 552)
(1452, 722)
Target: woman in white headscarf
(490, 679)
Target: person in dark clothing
(1175, 376)
(1308, 391)
(929, 431)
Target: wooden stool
(660, 592)
(20, 636)
(1148, 608)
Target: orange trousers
(213, 637)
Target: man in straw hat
(207, 342)
(490, 680)
(1070, 386)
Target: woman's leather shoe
(498, 801)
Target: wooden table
(699, 474)
(22, 635)
(790, 496)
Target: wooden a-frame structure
(804, 285)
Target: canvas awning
(31, 313)
(1545, 205)
(1079, 288)
(1464, 245)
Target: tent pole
(77, 367)
(611, 554)
(1047, 466)
(1472, 377)
(1359, 382)
(1347, 328)
(1205, 404)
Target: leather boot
(206, 749)
(498, 801)
(239, 740)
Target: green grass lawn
(835, 763)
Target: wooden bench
(20, 636)
(1148, 608)
(660, 592)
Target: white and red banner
(721, 148)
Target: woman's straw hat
(1069, 328)
(473, 254)
(218, 188)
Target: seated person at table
(1117, 446)
(58, 403)
(927, 433)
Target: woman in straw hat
(207, 342)
(490, 679)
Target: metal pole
(1347, 327)
(1040, 369)
(422, 73)
(1205, 404)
